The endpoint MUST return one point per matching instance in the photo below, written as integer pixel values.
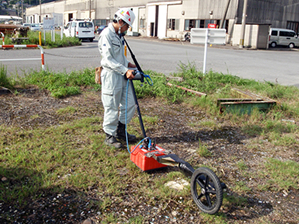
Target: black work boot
(121, 133)
(112, 141)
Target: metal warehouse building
(172, 19)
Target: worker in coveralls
(115, 67)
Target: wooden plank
(245, 94)
(187, 90)
(220, 100)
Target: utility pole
(241, 45)
(90, 9)
(22, 12)
(40, 11)
(224, 16)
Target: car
(81, 29)
(283, 37)
(101, 28)
(35, 27)
(27, 24)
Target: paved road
(162, 56)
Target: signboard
(58, 19)
(214, 36)
(207, 36)
(48, 23)
(212, 26)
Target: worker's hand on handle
(130, 74)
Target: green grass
(231, 199)
(62, 84)
(280, 175)
(66, 110)
(241, 165)
(45, 157)
(241, 186)
(203, 150)
(5, 81)
(72, 154)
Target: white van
(80, 29)
(283, 37)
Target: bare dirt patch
(33, 108)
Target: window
(173, 24)
(99, 22)
(218, 23)
(85, 24)
(141, 24)
(191, 23)
(287, 34)
(274, 33)
(226, 25)
(208, 21)
(293, 26)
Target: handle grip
(138, 76)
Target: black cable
(135, 60)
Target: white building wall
(142, 15)
(151, 15)
(251, 35)
(175, 12)
(47, 9)
(136, 21)
(162, 21)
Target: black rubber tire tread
(218, 192)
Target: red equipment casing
(144, 160)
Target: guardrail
(25, 59)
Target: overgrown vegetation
(59, 84)
(33, 38)
(72, 155)
(272, 124)
(4, 80)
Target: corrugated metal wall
(274, 12)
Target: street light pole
(90, 9)
(22, 12)
(40, 11)
(241, 45)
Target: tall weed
(5, 81)
(62, 84)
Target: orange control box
(144, 160)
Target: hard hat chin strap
(119, 32)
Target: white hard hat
(126, 14)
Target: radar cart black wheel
(206, 190)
